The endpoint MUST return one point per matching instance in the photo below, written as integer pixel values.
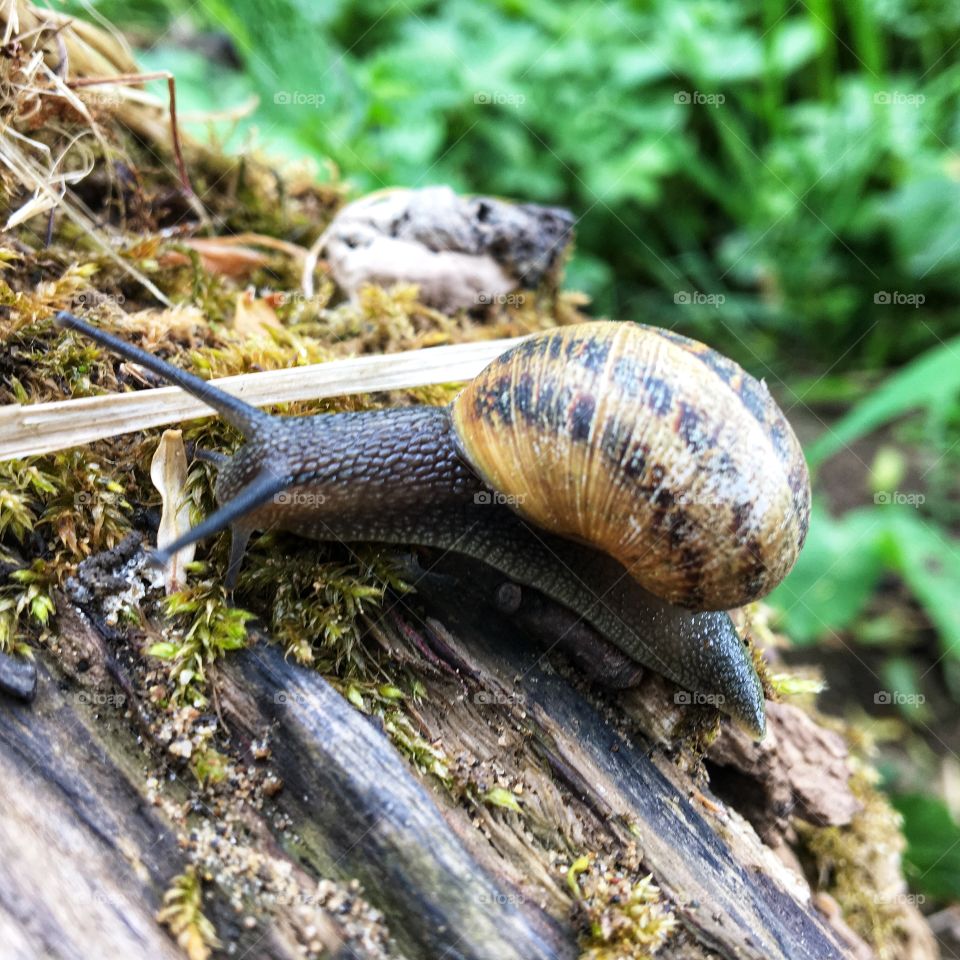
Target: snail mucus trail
(637, 478)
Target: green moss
(386, 701)
(317, 595)
(503, 798)
(182, 913)
(792, 685)
(860, 866)
(89, 512)
(26, 597)
(209, 765)
(625, 915)
(24, 486)
(211, 627)
(71, 506)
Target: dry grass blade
(52, 59)
(46, 427)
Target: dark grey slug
(636, 477)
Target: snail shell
(649, 446)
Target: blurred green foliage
(794, 163)
(904, 532)
(932, 861)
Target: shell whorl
(650, 446)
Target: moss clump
(317, 595)
(626, 916)
(27, 595)
(24, 486)
(386, 701)
(860, 866)
(213, 627)
(183, 914)
(26, 601)
(54, 511)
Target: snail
(638, 478)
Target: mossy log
(318, 797)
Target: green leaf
(500, 797)
(838, 569)
(931, 379)
(835, 574)
(904, 688)
(932, 860)
(793, 43)
(580, 865)
(923, 222)
(163, 650)
(929, 562)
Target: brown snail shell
(649, 446)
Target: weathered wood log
(18, 677)
(83, 860)
(102, 813)
(731, 893)
(372, 819)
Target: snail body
(539, 469)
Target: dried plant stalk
(46, 427)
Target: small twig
(128, 78)
(51, 218)
(310, 264)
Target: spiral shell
(649, 446)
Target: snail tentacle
(258, 491)
(245, 417)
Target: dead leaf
(224, 259)
(168, 472)
(254, 317)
